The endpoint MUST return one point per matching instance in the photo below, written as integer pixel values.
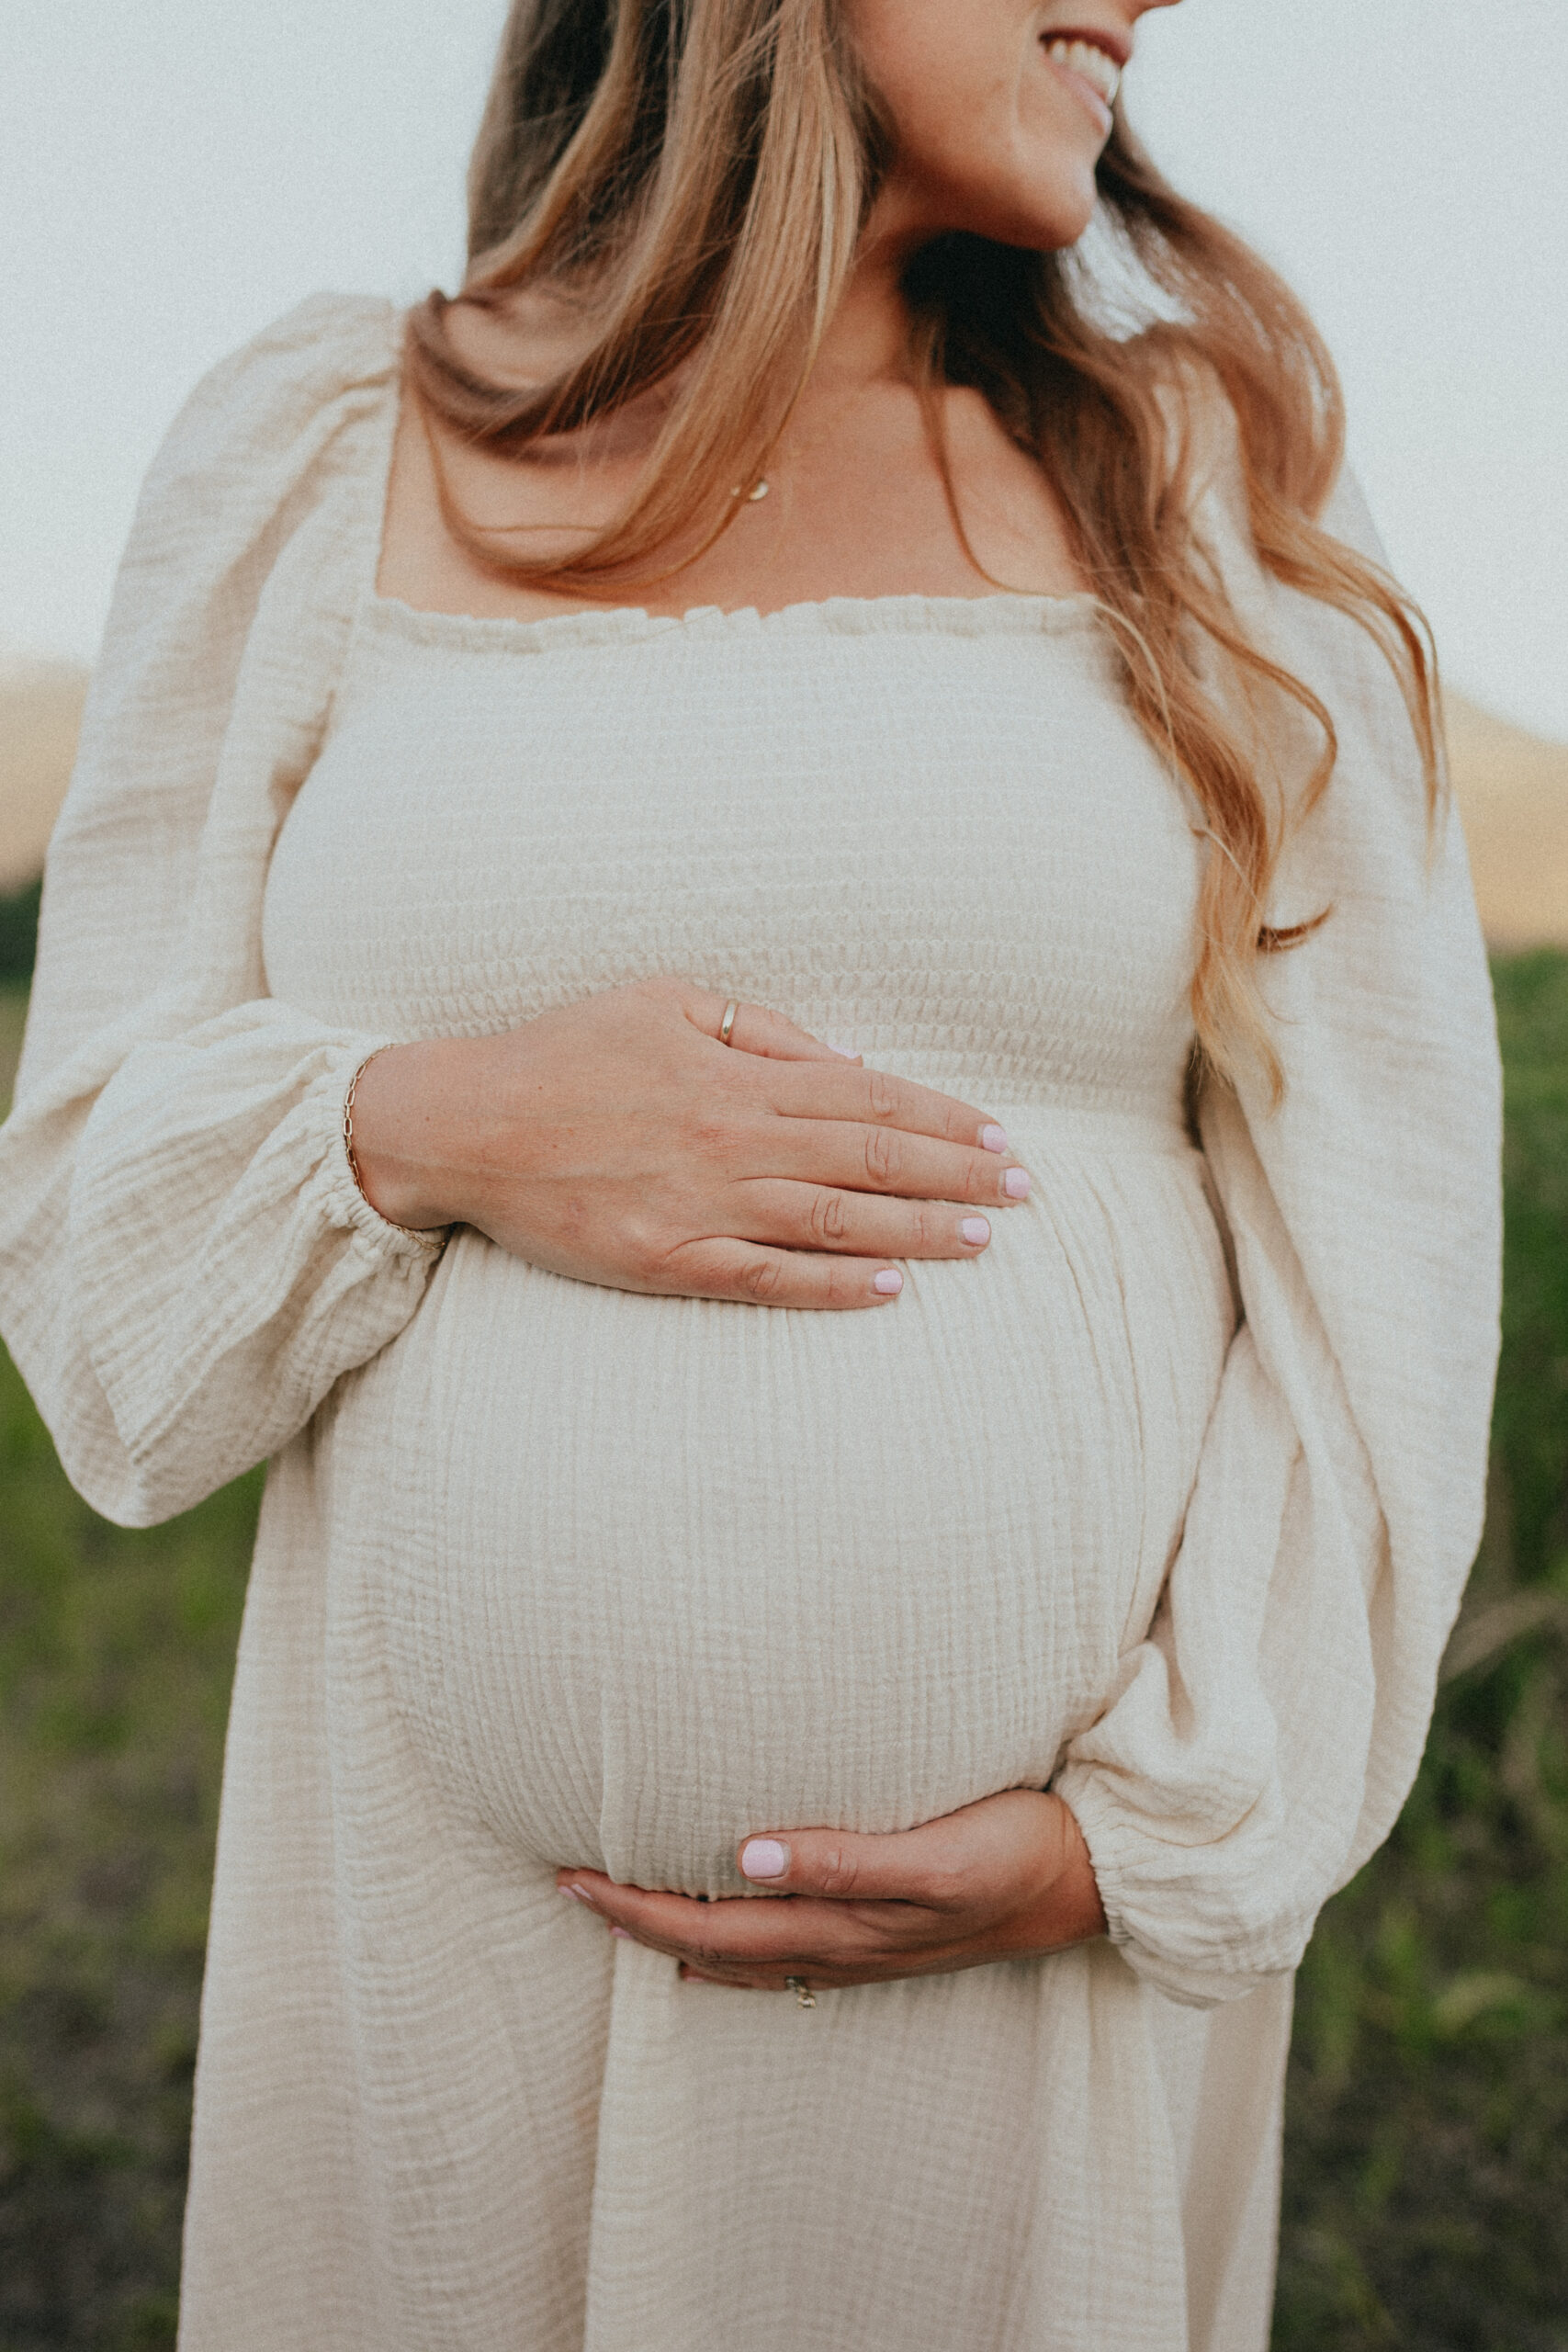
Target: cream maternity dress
(1166, 1502)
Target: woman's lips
(1091, 73)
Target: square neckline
(637, 622)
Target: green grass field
(1426, 2167)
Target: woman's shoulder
(276, 458)
(1207, 453)
(327, 338)
(303, 410)
(282, 386)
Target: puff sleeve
(185, 1262)
(1262, 1739)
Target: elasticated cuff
(1113, 1850)
(342, 1201)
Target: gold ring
(728, 1023)
(805, 1998)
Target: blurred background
(171, 176)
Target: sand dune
(1513, 792)
(40, 707)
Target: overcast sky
(175, 172)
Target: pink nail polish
(843, 1053)
(764, 1857)
(976, 1229)
(993, 1140)
(580, 1892)
(889, 1282)
(1015, 1183)
(625, 1933)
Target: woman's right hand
(617, 1141)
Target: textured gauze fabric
(1166, 1501)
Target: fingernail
(976, 1229)
(889, 1282)
(625, 1934)
(764, 1857)
(580, 1891)
(993, 1140)
(1015, 1183)
(844, 1054)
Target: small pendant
(759, 489)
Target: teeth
(1082, 57)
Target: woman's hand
(617, 1141)
(1006, 1879)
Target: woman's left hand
(1006, 1879)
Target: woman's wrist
(1070, 1909)
(411, 1105)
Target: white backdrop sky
(173, 175)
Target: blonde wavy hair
(693, 177)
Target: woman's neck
(866, 340)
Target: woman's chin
(1046, 215)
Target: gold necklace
(762, 486)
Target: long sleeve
(185, 1262)
(1261, 1741)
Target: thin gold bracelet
(349, 1153)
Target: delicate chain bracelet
(349, 1147)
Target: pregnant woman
(758, 951)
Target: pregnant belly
(648, 1574)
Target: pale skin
(614, 1140)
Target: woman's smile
(1094, 76)
(997, 112)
